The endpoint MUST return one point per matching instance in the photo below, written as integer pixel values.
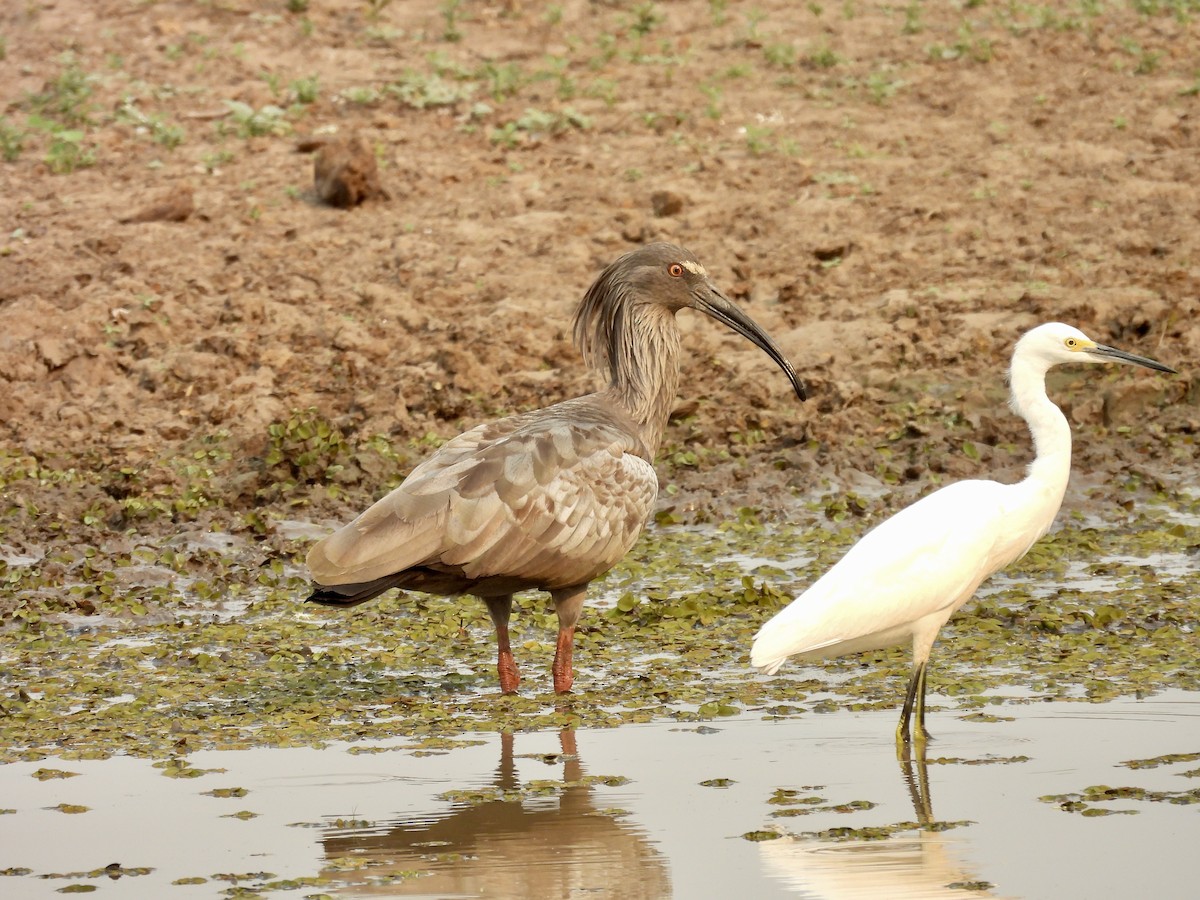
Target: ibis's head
(663, 275)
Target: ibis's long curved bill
(713, 303)
(1103, 352)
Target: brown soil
(894, 192)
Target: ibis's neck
(645, 377)
(1047, 477)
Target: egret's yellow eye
(675, 270)
(1072, 344)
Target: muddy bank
(895, 194)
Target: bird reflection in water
(560, 845)
(921, 866)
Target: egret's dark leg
(500, 608)
(922, 734)
(915, 695)
(917, 780)
(568, 603)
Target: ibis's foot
(563, 681)
(506, 667)
(564, 673)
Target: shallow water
(625, 812)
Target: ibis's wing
(554, 498)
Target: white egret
(905, 578)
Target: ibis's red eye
(676, 270)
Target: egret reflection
(522, 844)
(915, 866)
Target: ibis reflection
(558, 845)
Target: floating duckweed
(762, 835)
(181, 768)
(348, 863)
(256, 667)
(878, 832)
(607, 780)
(805, 810)
(246, 876)
(1081, 802)
(113, 870)
(47, 774)
(226, 792)
(982, 761)
(478, 795)
(343, 824)
(790, 797)
(381, 880)
(1163, 760)
(610, 812)
(294, 884)
(987, 718)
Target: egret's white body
(903, 580)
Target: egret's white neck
(1051, 467)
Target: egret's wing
(925, 559)
(552, 497)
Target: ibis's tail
(351, 594)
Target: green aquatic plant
(212, 636)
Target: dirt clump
(345, 173)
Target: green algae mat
(206, 643)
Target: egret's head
(1054, 343)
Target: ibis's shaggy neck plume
(626, 326)
(638, 346)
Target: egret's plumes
(548, 499)
(906, 577)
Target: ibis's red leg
(566, 740)
(500, 608)
(568, 603)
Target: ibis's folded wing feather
(553, 498)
